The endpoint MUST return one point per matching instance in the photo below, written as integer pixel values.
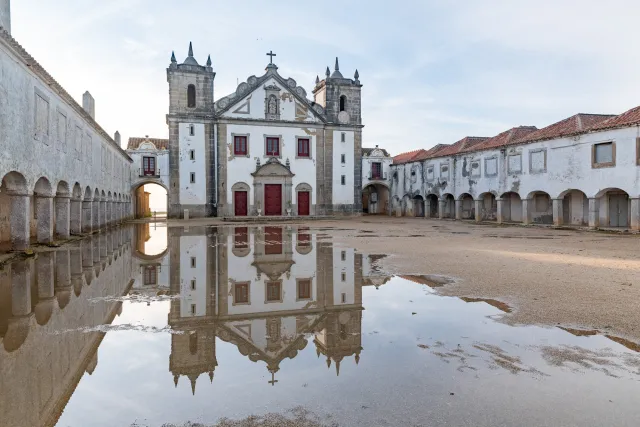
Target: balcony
(377, 177)
(148, 174)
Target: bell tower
(341, 97)
(191, 138)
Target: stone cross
(273, 379)
(271, 55)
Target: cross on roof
(273, 379)
(271, 55)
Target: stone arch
(572, 208)
(241, 242)
(539, 208)
(15, 207)
(467, 206)
(511, 207)
(488, 206)
(418, 206)
(44, 310)
(448, 206)
(244, 195)
(76, 192)
(613, 208)
(88, 194)
(375, 198)
(43, 188)
(103, 196)
(17, 333)
(303, 187)
(62, 189)
(304, 243)
(432, 209)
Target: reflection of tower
(191, 316)
(340, 334)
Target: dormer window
(343, 103)
(191, 96)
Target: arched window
(191, 96)
(343, 103)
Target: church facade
(265, 149)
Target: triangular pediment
(249, 101)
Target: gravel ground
(578, 279)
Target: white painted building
(583, 171)
(265, 149)
(150, 165)
(376, 164)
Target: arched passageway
(431, 210)
(575, 208)
(614, 208)
(488, 207)
(15, 208)
(448, 206)
(466, 207)
(375, 199)
(418, 206)
(150, 200)
(539, 208)
(407, 206)
(511, 207)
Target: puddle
(277, 326)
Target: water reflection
(234, 321)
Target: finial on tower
(356, 75)
(211, 376)
(317, 79)
(336, 72)
(190, 49)
(326, 73)
(337, 67)
(209, 62)
(173, 57)
(175, 380)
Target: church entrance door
(303, 203)
(240, 202)
(273, 199)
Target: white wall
(240, 168)
(343, 194)
(346, 267)
(162, 166)
(193, 246)
(196, 193)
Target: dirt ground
(576, 279)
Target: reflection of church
(268, 291)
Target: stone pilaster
(75, 217)
(594, 213)
(20, 214)
(62, 206)
(44, 214)
(557, 212)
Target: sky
(433, 71)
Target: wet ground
(283, 326)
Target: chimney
(88, 103)
(5, 15)
(116, 138)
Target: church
(266, 149)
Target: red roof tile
(408, 156)
(134, 143)
(507, 137)
(628, 118)
(569, 126)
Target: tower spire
(173, 57)
(337, 68)
(175, 380)
(338, 368)
(190, 49)
(327, 73)
(193, 386)
(317, 79)
(209, 62)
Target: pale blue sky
(433, 71)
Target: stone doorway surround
(272, 172)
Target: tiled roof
(464, 144)
(408, 156)
(134, 143)
(367, 151)
(628, 118)
(569, 126)
(507, 137)
(39, 70)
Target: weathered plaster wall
(44, 135)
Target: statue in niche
(272, 105)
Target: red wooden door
(240, 201)
(273, 199)
(303, 203)
(148, 166)
(273, 240)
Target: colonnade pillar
(95, 208)
(526, 211)
(44, 217)
(557, 211)
(75, 217)
(19, 221)
(477, 205)
(458, 209)
(635, 214)
(594, 213)
(499, 212)
(441, 205)
(62, 206)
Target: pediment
(273, 167)
(248, 100)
